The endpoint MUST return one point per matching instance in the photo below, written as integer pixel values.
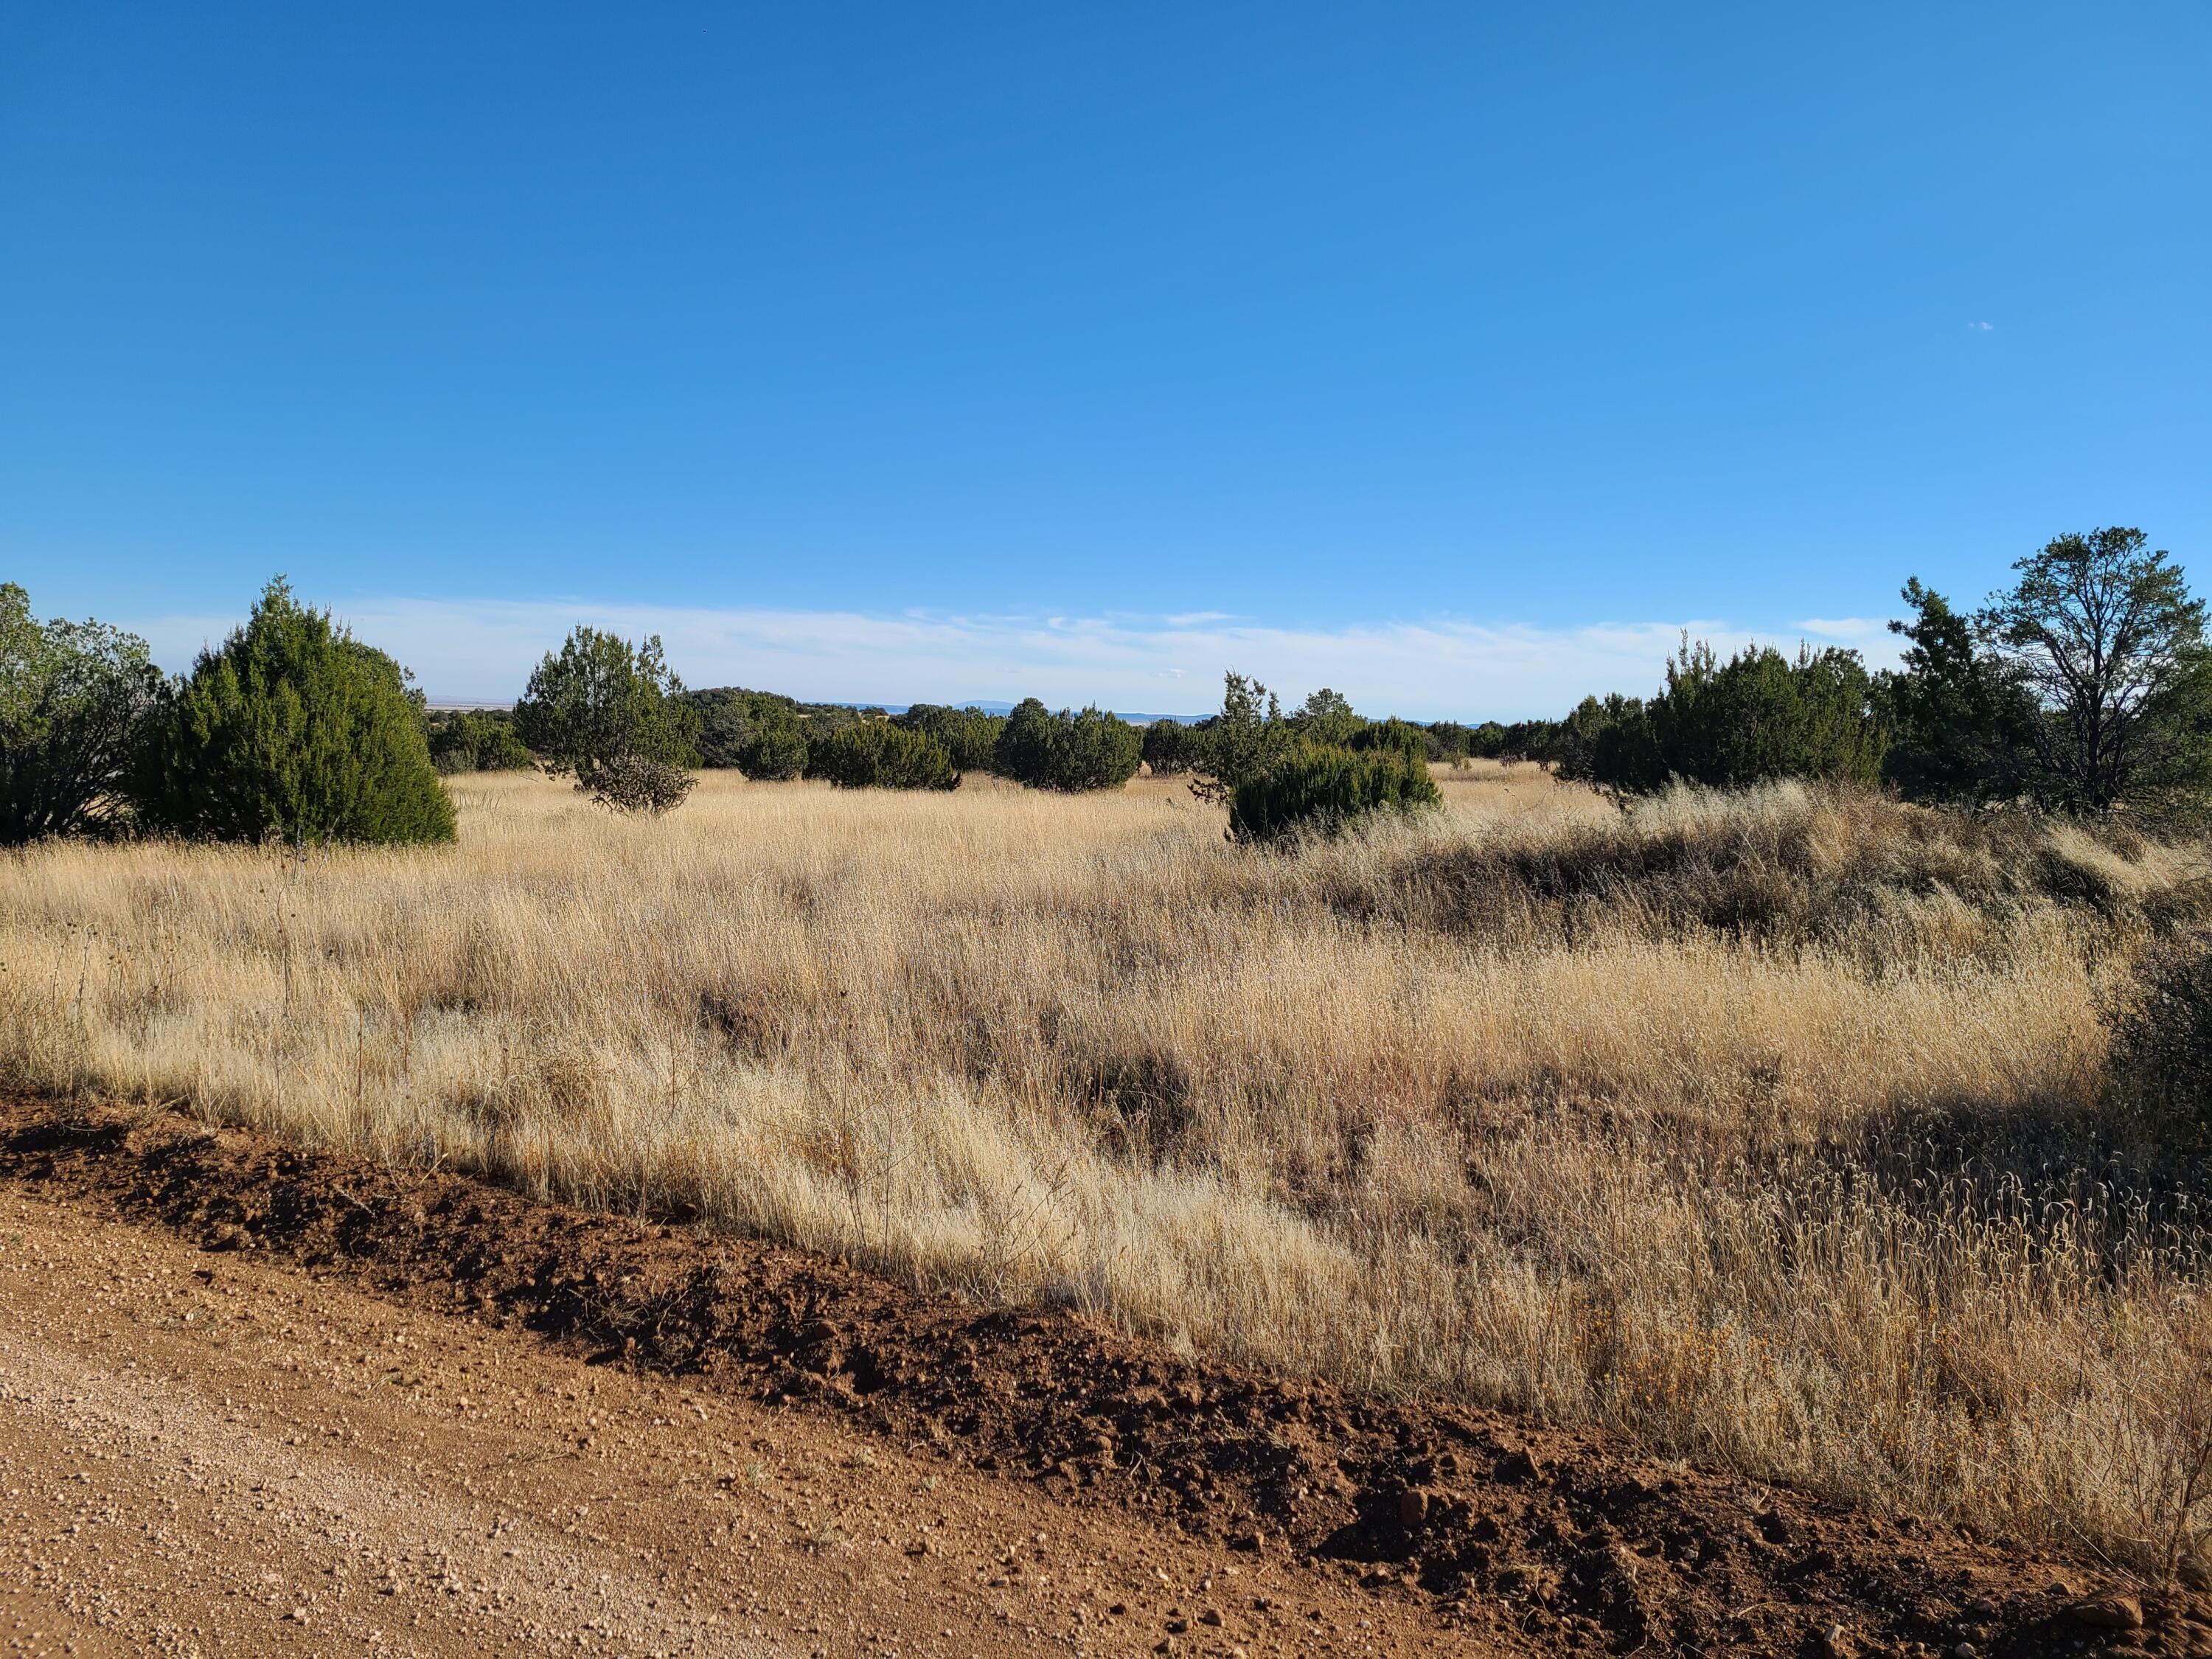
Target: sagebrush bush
(878, 754)
(295, 729)
(1319, 788)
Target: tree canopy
(75, 702)
(292, 729)
(600, 707)
(2107, 639)
(1072, 750)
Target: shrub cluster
(476, 741)
(1320, 788)
(1393, 736)
(756, 733)
(1072, 751)
(971, 736)
(878, 754)
(1756, 716)
(1172, 747)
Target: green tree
(476, 741)
(1756, 716)
(971, 736)
(599, 705)
(75, 702)
(1072, 750)
(1172, 747)
(1609, 740)
(1450, 740)
(1961, 720)
(1535, 740)
(776, 750)
(2107, 639)
(295, 729)
(1242, 740)
(759, 733)
(878, 754)
(1326, 717)
(1399, 736)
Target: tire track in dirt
(262, 1496)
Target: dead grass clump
(1786, 865)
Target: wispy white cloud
(1981, 328)
(1431, 669)
(1866, 633)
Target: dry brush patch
(1768, 1128)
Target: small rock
(298, 1616)
(1211, 1616)
(1835, 1643)
(1412, 1508)
(2110, 1613)
(1965, 1650)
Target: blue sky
(1455, 355)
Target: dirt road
(225, 1453)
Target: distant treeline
(2085, 687)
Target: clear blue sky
(891, 351)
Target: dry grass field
(1766, 1129)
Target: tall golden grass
(1766, 1129)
